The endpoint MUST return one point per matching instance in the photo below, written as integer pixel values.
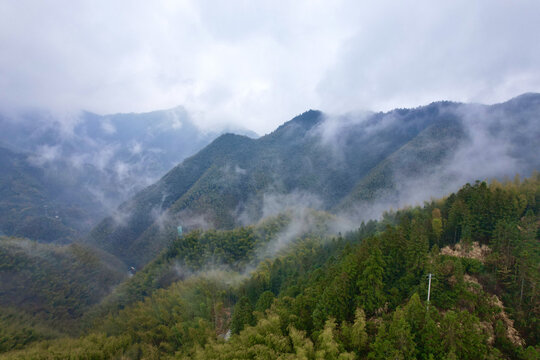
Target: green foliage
(242, 316)
(96, 346)
(310, 298)
(265, 301)
(235, 248)
(18, 329)
(37, 204)
(54, 284)
(355, 337)
(394, 341)
(462, 335)
(234, 175)
(370, 283)
(436, 224)
(195, 252)
(328, 348)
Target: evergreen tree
(370, 282)
(242, 316)
(355, 335)
(394, 341)
(462, 335)
(430, 339)
(436, 224)
(265, 301)
(415, 313)
(417, 248)
(336, 300)
(327, 346)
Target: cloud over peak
(257, 64)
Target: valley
(291, 246)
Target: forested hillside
(289, 180)
(45, 287)
(33, 205)
(214, 251)
(83, 166)
(353, 296)
(355, 166)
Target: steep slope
(416, 160)
(33, 205)
(358, 296)
(328, 163)
(484, 141)
(53, 286)
(92, 163)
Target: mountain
(34, 205)
(46, 286)
(456, 278)
(357, 165)
(84, 166)
(486, 142)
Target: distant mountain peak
(308, 118)
(526, 97)
(303, 122)
(230, 138)
(394, 158)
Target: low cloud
(296, 201)
(190, 220)
(495, 144)
(108, 127)
(45, 154)
(273, 62)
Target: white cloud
(136, 148)
(45, 154)
(108, 127)
(259, 63)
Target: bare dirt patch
(474, 251)
(511, 333)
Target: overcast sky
(259, 63)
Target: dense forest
(56, 186)
(368, 162)
(293, 180)
(46, 289)
(357, 295)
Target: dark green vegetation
(212, 251)
(44, 287)
(33, 205)
(83, 171)
(340, 165)
(360, 295)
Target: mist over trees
(355, 166)
(63, 173)
(358, 295)
(329, 180)
(290, 249)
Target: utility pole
(428, 289)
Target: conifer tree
(394, 341)
(370, 282)
(359, 335)
(436, 224)
(417, 248)
(265, 301)
(328, 348)
(242, 316)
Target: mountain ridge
(235, 179)
(89, 164)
